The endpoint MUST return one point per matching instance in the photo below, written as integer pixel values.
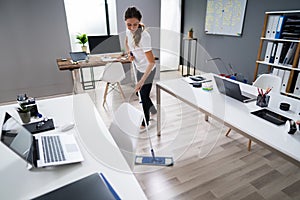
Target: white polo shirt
(140, 59)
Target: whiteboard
(225, 17)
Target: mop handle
(144, 117)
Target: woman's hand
(130, 57)
(139, 85)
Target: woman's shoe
(153, 110)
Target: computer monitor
(104, 44)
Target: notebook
(39, 150)
(233, 90)
(94, 186)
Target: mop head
(149, 160)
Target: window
(89, 17)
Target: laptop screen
(229, 88)
(16, 137)
(220, 84)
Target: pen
(268, 90)
(258, 91)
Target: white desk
(236, 115)
(99, 150)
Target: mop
(149, 160)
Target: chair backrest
(113, 72)
(125, 129)
(265, 81)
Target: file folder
(279, 27)
(290, 54)
(271, 26)
(268, 51)
(273, 52)
(291, 28)
(280, 73)
(297, 86)
(274, 26)
(275, 72)
(285, 80)
(278, 53)
(284, 51)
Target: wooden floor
(208, 165)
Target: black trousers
(145, 94)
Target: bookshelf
(279, 49)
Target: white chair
(125, 129)
(113, 74)
(264, 82)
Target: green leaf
(82, 38)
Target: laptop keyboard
(245, 97)
(53, 151)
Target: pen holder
(25, 116)
(262, 100)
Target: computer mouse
(67, 127)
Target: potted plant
(82, 39)
(190, 33)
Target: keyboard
(108, 59)
(53, 151)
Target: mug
(25, 116)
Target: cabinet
(279, 49)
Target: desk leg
(158, 102)
(85, 84)
(206, 118)
(76, 80)
(189, 59)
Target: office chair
(125, 129)
(264, 81)
(113, 73)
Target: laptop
(94, 186)
(39, 150)
(78, 56)
(233, 90)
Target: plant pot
(190, 34)
(84, 48)
(25, 116)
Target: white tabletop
(237, 114)
(99, 150)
